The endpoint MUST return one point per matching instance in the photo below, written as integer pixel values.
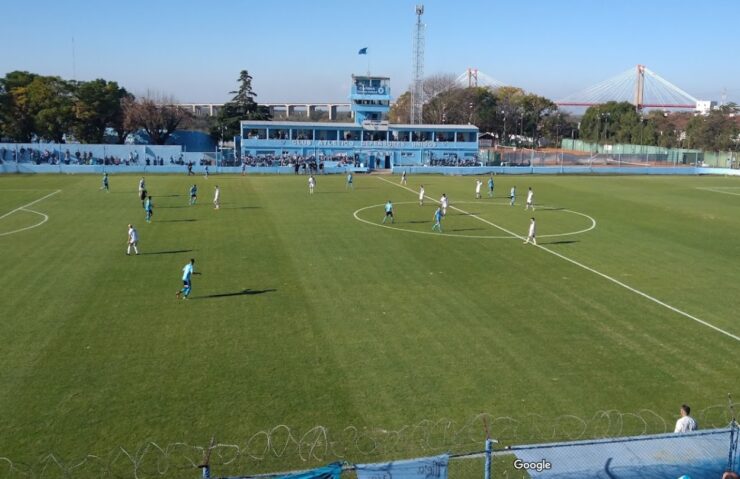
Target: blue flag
(363, 51)
(422, 468)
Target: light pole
(504, 113)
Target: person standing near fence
(686, 423)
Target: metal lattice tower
(417, 89)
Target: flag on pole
(363, 51)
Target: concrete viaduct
(286, 108)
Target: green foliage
(99, 105)
(716, 131)
(241, 107)
(48, 108)
(611, 122)
(16, 113)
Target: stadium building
(370, 142)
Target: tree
(51, 103)
(99, 105)
(400, 111)
(241, 107)
(610, 122)
(715, 131)
(16, 116)
(435, 84)
(157, 115)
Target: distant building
(705, 106)
(371, 141)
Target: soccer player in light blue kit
(187, 272)
(193, 194)
(388, 212)
(105, 183)
(437, 220)
(490, 187)
(350, 186)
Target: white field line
(46, 218)
(432, 233)
(587, 268)
(29, 204)
(715, 190)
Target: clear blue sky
(307, 49)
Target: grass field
(307, 312)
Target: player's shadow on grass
(178, 206)
(177, 221)
(170, 196)
(174, 251)
(417, 222)
(560, 242)
(237, 293)
(240, 207)
(468, 214)
(467, 229)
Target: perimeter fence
(281, 449)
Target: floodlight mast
(417, 88)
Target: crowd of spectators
(456, 162)
(299, 162)
(40, 156)
(308, 163)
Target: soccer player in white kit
(133, 240)
(141, 185)
(478, 184)
(421, 195)
(532, 232)
(217, 198)
(512, 196)
(443, 204)
(311, 184)
(530, 200)
(403, 178)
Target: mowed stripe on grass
(305, 316)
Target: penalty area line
(588, 268)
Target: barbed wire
(284, 447)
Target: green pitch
(307, 312)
